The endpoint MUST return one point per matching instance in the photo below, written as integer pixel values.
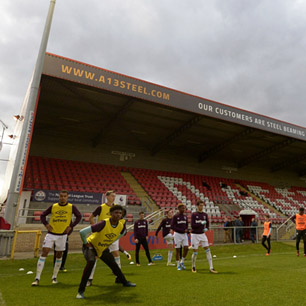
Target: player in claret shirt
(165, 225)
(179, 225)
(59, 227)
(140, 235)
(199, 225)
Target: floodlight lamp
(18, 117)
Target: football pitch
(249, 279)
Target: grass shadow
(111, 295)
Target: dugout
(247, 215)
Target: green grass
(250, 279)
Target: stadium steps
(261, 201)
(289, 235)
(229, 208)
(139, 191)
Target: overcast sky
(247, 54)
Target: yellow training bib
(60, 217)
(103, 239)
(105, 214)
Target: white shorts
(169, 238)
(114, 246)
(180, 240)
(58, 240)
(199, 239)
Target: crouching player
(114, 248)
(165, 225)
(200, 225)
(102, 235)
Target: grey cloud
(249, 54)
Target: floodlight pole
(4, 127)
(24, 142)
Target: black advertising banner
(74, 71)
(75, 197)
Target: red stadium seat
(86, 217)
(129, 217)
(37, 215)
(165, 188)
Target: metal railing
(240, 234)
(36, 244)
(6, 239)
(154, 217)
(287, 226)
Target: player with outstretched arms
(59, 227)
(102, 235)
(200, 225)
(165, 225)
(179, 225)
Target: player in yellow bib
(102, 235)
(59, 227)
(103, 212)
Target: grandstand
(58, 174)
(97, 130)
(165, 188)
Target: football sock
(183, 259)
(170, 256)
(178, 263)
(209, 258)
(117, 260)
(125, 253)
(40, 266)
(93, 271)
(57, 265)
(194, 258)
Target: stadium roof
(97, 105)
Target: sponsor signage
(120, 199)
(21, 168)
(93, 76)
(74, 197)
(128, 241)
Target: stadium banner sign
(155, 243)
(24, 153)
(120, 199)
(74, 197)
(82, 73)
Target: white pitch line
(2, 301)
